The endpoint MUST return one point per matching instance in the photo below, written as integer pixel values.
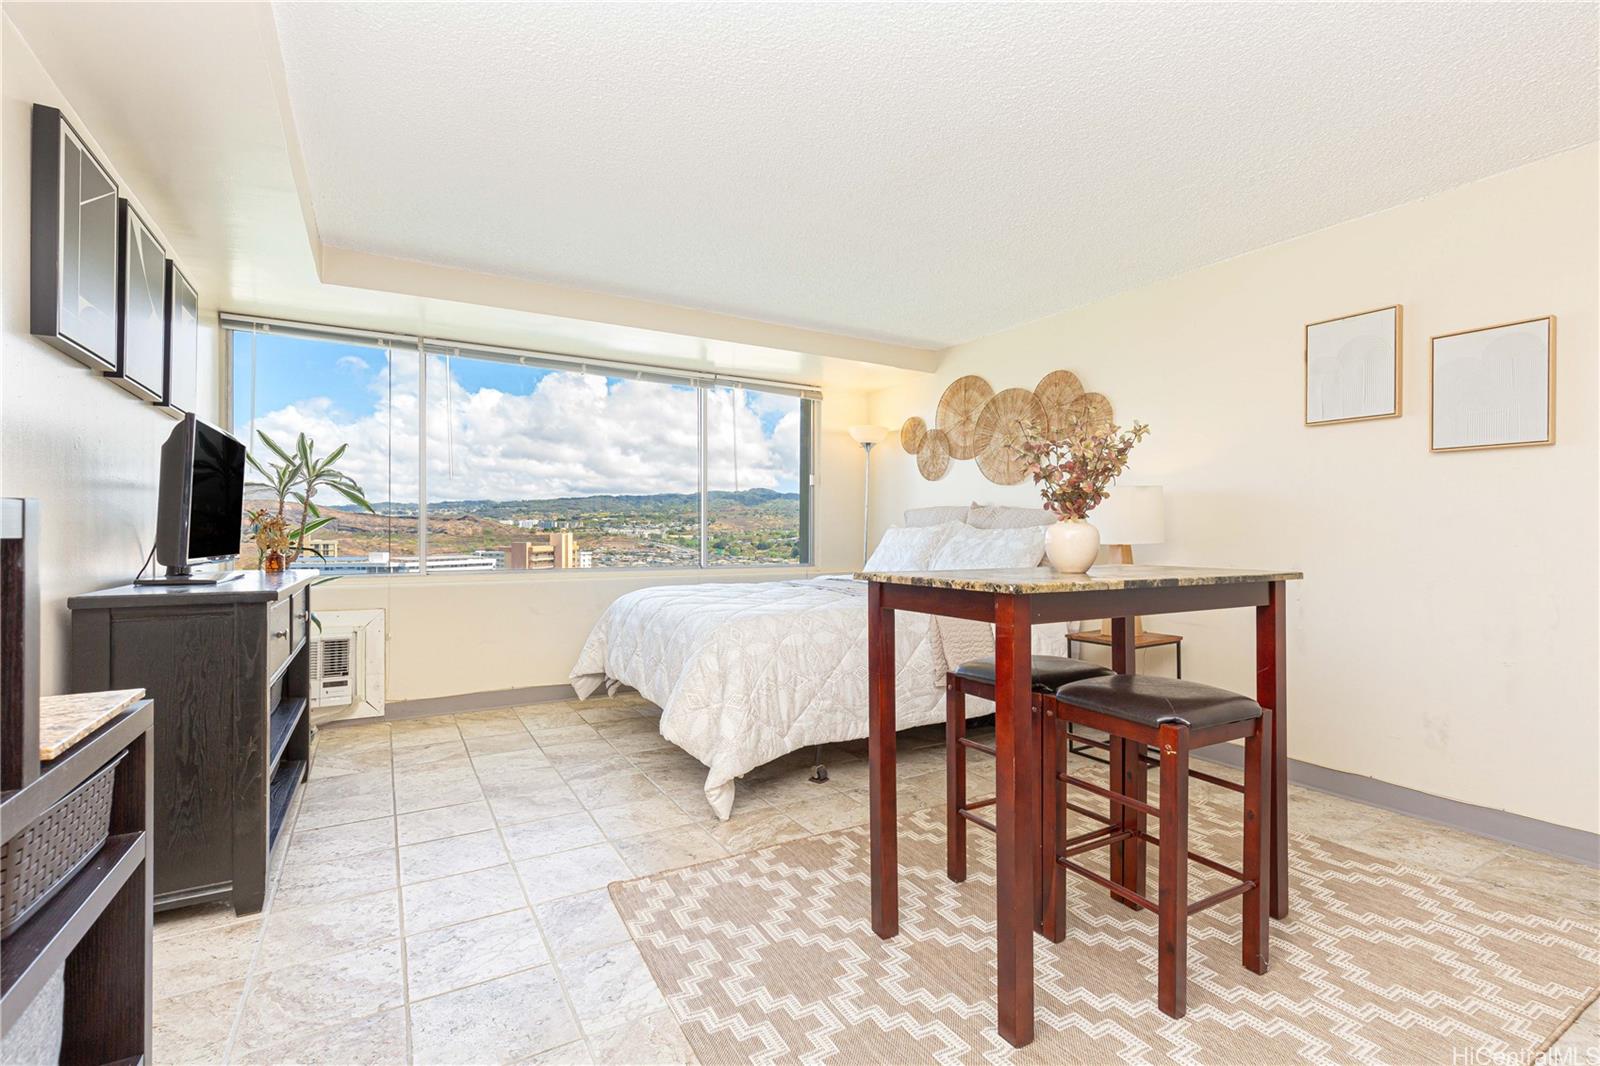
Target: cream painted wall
(451, 635)
(84, 447)
(1445, 636)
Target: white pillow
(909, 547)
(982, 549)
(986, 516)
(935, 516)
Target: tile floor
(442, 898)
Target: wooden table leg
(1016, 817)
(1128, 774)
(880, 765)
(1272, 674)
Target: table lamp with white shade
(1131, 515)
(866, 436)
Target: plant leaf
(270, 443)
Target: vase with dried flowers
(296, 475)
(1074, 473)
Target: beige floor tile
(537, 794)
(509, 1019)
(194, 1027)
(559, 717)
(510, 765)
(827, 813)
(610, 987)
(326, 803)
(654, 1040)
(447, 755)
(581, 923)
(547, 836)
(443, 960)
(573, 1054)
(339, 762)
(564, 873)
(423, 790)
(1529, 875)
(603, 766)
(599, 715)
(1425, 845)
(451, 855)
(640, 741)
(442, 737)
(550, 736)
(355, 736)
(500, 743)
(186, 920)
(336, 841)
(463, 897)
(649, 815)
(608, 791)
(578, 751)
(489, 723)
(379, 1040)
(320, 994)
(294, 935)
(755, 829)
(415, 827)
(323, 882)
(669, 850)
(1330, 817)
(1580, 1044)
(782, 791)
(204, 957)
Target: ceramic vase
(1071, 545)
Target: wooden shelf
(284, 718)
(36, 948)
(284, 782)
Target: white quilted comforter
(745, 673)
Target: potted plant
(297, 475)
(1074, 474)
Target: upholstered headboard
(982, 516)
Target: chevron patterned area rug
(768, 957)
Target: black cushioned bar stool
(1175, 717)
(976, 678)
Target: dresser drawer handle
(280, 634)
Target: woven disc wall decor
(1055, 392)
(1089, 411)
(1001, 429)
(959, 410)
(912, 432)
(933, 458)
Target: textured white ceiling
(916, 173)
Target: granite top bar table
(1015, 600)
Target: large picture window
(498, 461)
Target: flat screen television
(201, 503)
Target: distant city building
(547, 551)
(585, 560)
(329, 547)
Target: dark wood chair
(976, 678)
(1175, 717)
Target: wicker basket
(38, 861)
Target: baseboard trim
(465, 703)
(1518, 829)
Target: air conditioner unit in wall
(336, 666)
(347, 666)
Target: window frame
(807, 480)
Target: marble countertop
(1042, 579)
(65, 720)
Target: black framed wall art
(182, 342)
(73, 304)
(142, 310)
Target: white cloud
(353, 363)
(573, 435)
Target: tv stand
(214, 577)
(229, 668)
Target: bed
(747, 672)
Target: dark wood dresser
(229, 669)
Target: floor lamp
(866, 436)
